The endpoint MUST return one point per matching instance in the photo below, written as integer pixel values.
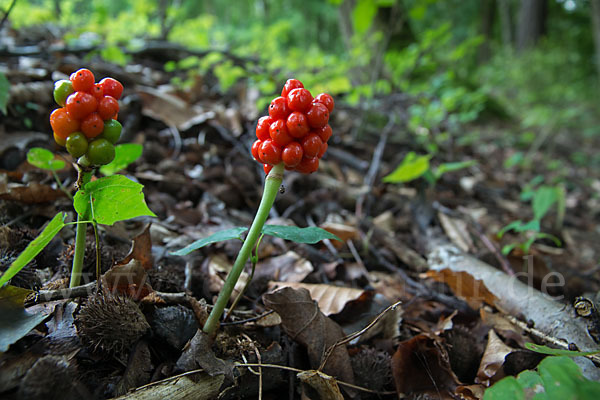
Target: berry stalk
(80, 236)
(272, 184)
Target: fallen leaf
(302, 320)
(472, 290)
(200, 386)
(331, 299)
(170, 109)
(288, 267)
(419, 365)
(457, 231)
(15, 321)
(130, 279)
(343, 231)
(141, 250)
(492, 360)
(198, 353)
(325, 385)
(32, 193)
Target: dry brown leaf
(325, 385)
(170, 109)
(420, 365)
(130, 279)
(331, 299)
(218, 268)
(503, 326)
(32, 193)
(457, 231)
(141, 250)
(343, 231)
(471, 392)
(492, 360)
(288, 267)
(302, 320)
(472, 290)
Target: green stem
(61, 186)
(80, 236)
(272, 184)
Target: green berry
(112, 130)
(62, 90)
(77, 144)
(100, 152)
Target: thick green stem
(80, 236)
(272, 184)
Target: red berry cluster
(296, 131)
(86, 122)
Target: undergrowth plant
(86, 125)
(414, 166)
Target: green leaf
(227, 234)
(510, 227)
(412, 167)
(311, 234)
(15, 321)
(44, 159)
(504, 389)
(125, 154)
(454, 166)
(4, 92)
(34, 248)
(363, 14)
(543, 199)
(538, 348)
(508, 248)
(114, 198)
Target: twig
(7, 13)
(244, 321)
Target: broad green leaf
(508, 248)
(311, 234)
(510, 227)
(4, 92)
(125, 154)
(531, 380)
(561, 377)
(412, 167)
(34, 248)
(114, 198)
(454, 166)
(363, 14)
(44, 159)
(558, 352)
(543, 199)
(504, 389)
(530, 226)
(227, 234)
(15, 321)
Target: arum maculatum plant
(86, 125)
(292, 137)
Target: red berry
(290, 85)
(262, 127)
(324, 147)
(318, 115)
(299, 100)
(97, 91)
(324, 133)
(311, 145)
(279, 108)
(81, 104)
(292, 154)
(63, 124)
(255, 147)
(108, 107)
(297, 124)
(279, 133)
(269, 152)
(82, 80)
(325, 99)
(308, 165)
(112, 87)
(267, 168)
(92, 125)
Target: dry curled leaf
(302, 320)
(130, 279)
(472, 290)
(325, 385)
(493, 359)
(141, 250)
(331, 299)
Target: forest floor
(459, 326)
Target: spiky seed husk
(110, 323)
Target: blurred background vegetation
(525, 72)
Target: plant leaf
(412, 167)
(227, 234)
(44, 159)
(125, 154)
(363, 14)
(34, 248)
(311, 234)
(15, 321)
(4, 92)
(543, 199)
(453, 166)
(538, 348)
(114, 198)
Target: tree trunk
(486, 15)
(596, 29)
(505, 22)
(532, 23)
